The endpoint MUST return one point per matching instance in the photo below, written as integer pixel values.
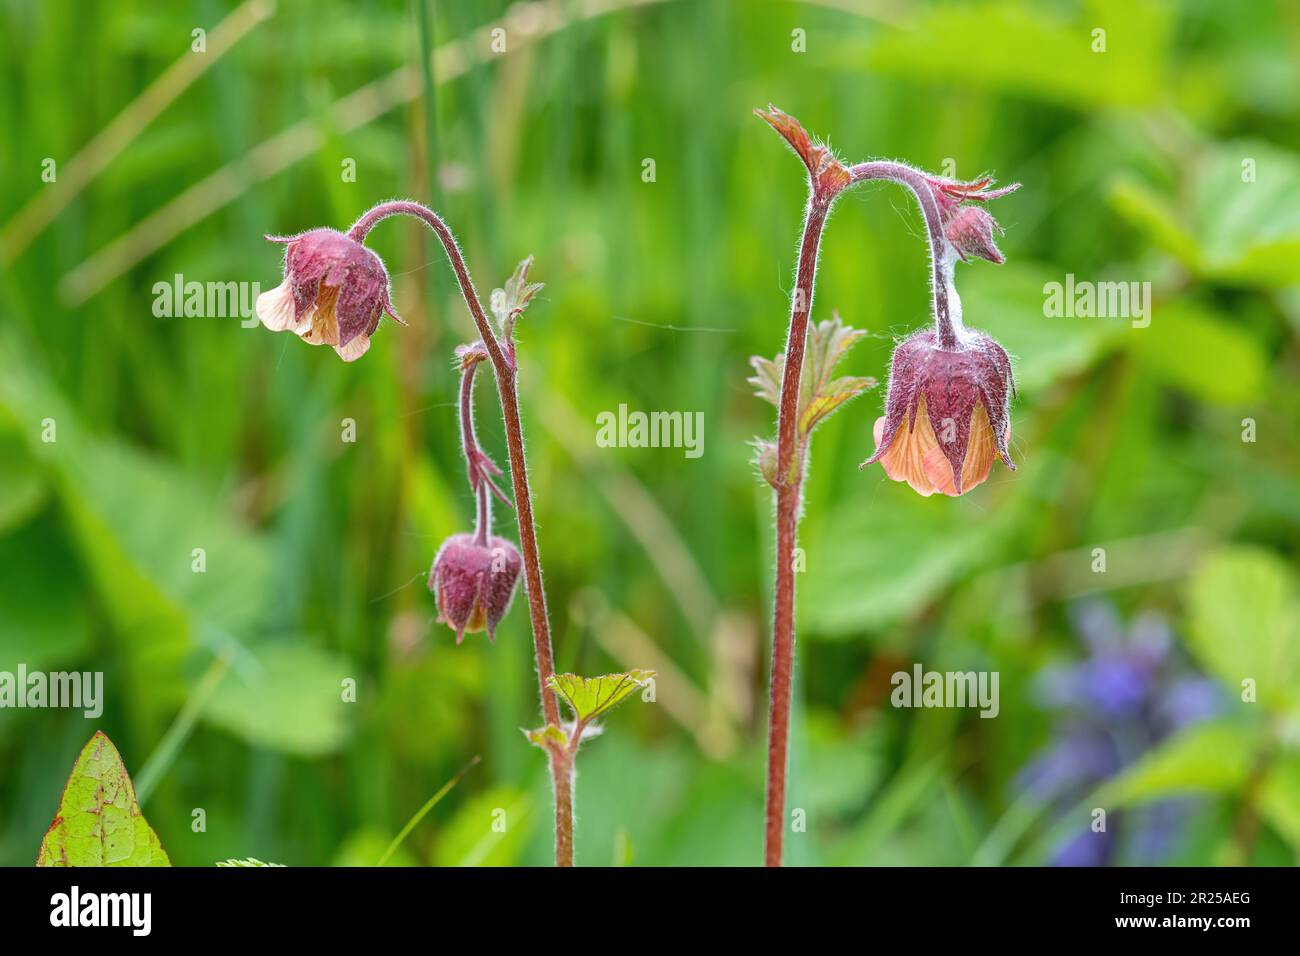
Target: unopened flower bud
(970, 230)
(334, 292)
(474, 583)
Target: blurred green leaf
(1211, 757)
(1246, 208)
(1029, 49)
(1008, 302)
(1243, 616)
(1155, 215)
(22, 487)
(1241, 222)
(1279, 799)
(291, 700)
(43, 616)
(1195, 350)
(879, 556)
(99, 822)
(491, 829)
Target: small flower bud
(946, 413)
(474, 583)
(970, 230)
(334, 292)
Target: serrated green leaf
(592, 696)
(767, 377)
(832, 396)
(508, 302)
(1243, 617)
(820, 393)
(251, 861)
(99, 822)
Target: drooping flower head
(946, 413)
(474, 582)
(334, 292)
(947, 409)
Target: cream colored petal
(905, 460)
(275, 308)
(354, 349)
(980, 452)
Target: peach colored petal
(980, 451)
(354, 349)
(275, 308)
(905, 460)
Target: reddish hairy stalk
(827, 179)
(504, 367)
(940, 263)
(788, 493)
(479, 482)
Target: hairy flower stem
(791, 452)
(478, 482)
(946, 325)
(502, 356)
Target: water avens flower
(334, 292)
(946, 413)
(947, 409)
(474, 575)
(474, 582)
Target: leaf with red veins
(99, 822)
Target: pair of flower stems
(946, 415)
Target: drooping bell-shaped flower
(947, 410)
(946, 413)
(335, 291)
(473, 580)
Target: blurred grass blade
(429, 805)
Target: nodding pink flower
(473, 579)
(946, 413)
(334, 292)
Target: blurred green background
(1170, 158)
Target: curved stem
(504, 368)
(946, 326)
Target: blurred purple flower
(1128, 695)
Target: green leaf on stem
(589, 697)
(99, 822)
(508, 303)
(820, 392)
(548, 736)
